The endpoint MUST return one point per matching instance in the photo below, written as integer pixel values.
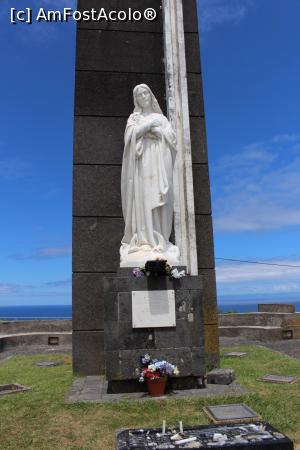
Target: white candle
(180, 427)
(185, 441)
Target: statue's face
(143, 97)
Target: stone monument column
(111, 59)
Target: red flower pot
(157, 387)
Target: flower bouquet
(158, 267)
(155, 373)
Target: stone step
(260, 333)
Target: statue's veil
(155, 106)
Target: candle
(180, 427)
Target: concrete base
(94, 390)
(182, 345)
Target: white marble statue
(147, 183)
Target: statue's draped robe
(147, 185)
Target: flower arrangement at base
(157, 267)
(153, 369)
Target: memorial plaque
(281, 379)
(230, 413)
(153, 309)
(235, 354)
(49, 363)
(254, 436)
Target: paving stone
(98, 393)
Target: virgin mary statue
(147, 183)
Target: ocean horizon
(64, 312)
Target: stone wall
(34, 326)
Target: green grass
(40, 420)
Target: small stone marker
(13, 388)
(235, 354)
(48, 363)
(221, 376)
(231, 413)
(280, 379)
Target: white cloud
(45, 253)
(236, 272)
(234, 278)
(52, 289)
(14, 168)
(258, 188)
(53, 252)
(217, 12)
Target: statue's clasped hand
(157, 133)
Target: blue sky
(251, 72)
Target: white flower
(176, 371)
(176, 274)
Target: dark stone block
(130, 283)
(96, 243)
(190, 16)
(201, 189)
(111, 306)
(97, 191)
(195, 94)
(110, 94)
(209, 296)
(185, 334)
(88, 301)
(173, 383)
(192, 51)
(118, 51)
(211, 338)
(124, 306)
(99, 140)
(125, 386)
(129, 361)
(212, 360)
(198, 140)
(184, 305)
(121, 336)
(221, 376)
(198, 361)
(121, 5)
(205, 244)
(113, 366)
(88, 353)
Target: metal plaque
(281, 379)
(229, 413)
(153, 309)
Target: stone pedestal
(182, 345)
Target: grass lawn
(40, 420)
